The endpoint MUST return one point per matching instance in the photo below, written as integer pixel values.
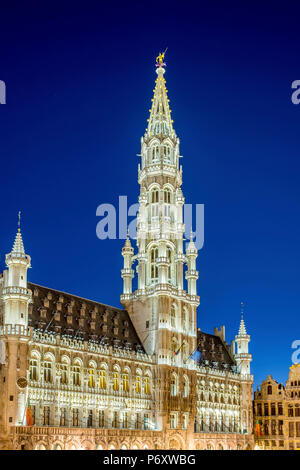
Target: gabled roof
(66, 314)
(213, 352)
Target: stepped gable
(66, 314)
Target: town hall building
(79, 374)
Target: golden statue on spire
(160, 59)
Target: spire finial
(160, 59)
(19, 221)
(242, 309)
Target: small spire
(191, 246)
(19, 221)
(242, 329)
(18, 244)
(127, 243)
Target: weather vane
(160, 59)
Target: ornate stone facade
(277, 413)
(99, 377)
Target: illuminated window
(155, 153)
(91, 381)
(76, 375)
(154, 196)
(75, 417)
(166, 150)
(46, 416)
(153, 266)
(102, 379)
(185, 391)
(138, 423)
(167, 196)
(116, 381)
(48, 372)
(173, 421)
(169, 256)
(33, 369)
(64, 374)
(147, 385)
(174, 385)
(115, 419)
(63, 417)
(184, 422)
(146, 421)
(125, 383)
(101, 419)
(138, 384)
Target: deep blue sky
(79, 83)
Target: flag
(29, 418)
(257, 429)
(176, 352)
(196, 355)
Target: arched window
(153, 266)
(174, 385)
(269, 389)
(48, 372)
(33, 369)
(155, 195)
(91, 377)
(154, 152)
(173, 316)
(185, 391)
(138, 383)
(185, 315)
(147, 385)
(166, 151)
(125, 382)
(102, 378)
(76, 373)
(167, 204)
(116, 380)
(154, 199)
(169, 256)
(167, 195)
(64, 379)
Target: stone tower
(14, 336)
(243, 359)
(162, 310)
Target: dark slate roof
(214, 352)
(67, 314)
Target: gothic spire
(18, 247)
(160, 123)
(242, 329)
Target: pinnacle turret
(15, 294)
(160, 122)
(242, 356)
(242, 329)
(18, 247)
